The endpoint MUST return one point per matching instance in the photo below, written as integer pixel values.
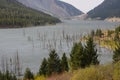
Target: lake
(34, 43)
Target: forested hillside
(109, 8)
(14, 14)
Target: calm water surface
(34, 43)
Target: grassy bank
(101, 72)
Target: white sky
(84, 5)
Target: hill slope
(52, 7)
(109, 8)
(14, 14)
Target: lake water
(33, 44)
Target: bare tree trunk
(7, 65)
(3, 64)
(18, 64)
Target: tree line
(99, 33)
(81, 56)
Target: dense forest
(14, 14)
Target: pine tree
(7, 76)
(116, 56)
(64, 63)
(77, 56)
(28, 75)
(44, 67)
(92, 33)
(91, 53)
(54, 65)
(99, 33)
(116, 37)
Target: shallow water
(34, 43)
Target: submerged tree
(64, 63)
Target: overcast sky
(84, 5)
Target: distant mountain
(55, 8)
(14, 14)
(109, 8)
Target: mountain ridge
(53, 7)
(109, 8)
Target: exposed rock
(53, 7)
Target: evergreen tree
(116, 37)
(77, 56)
(91, 53)
(116, 56)
(109, 33)
(2, 76)
(7, 76)
(64, 63)
(92, 33)
(28, 75)
(54, 65)
(117, 30)
(99, 33)
(14, 77)
(43, 67)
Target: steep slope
(52, 7)
(69, 8)
(14, 14)
(109, 8)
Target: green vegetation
(43, 67)
(116, 56)
(64, 63)
(82, 57)
(105, 38)
(109, 33)
(82, 65)
(117, 30)
(99, 33)
(28, 75)
(52, 65)
(7, 76)
(116, 37)
(14, 14)
(100, 72)
(107, 72)
(77, 56)
(91, 52)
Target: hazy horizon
(84, 5)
